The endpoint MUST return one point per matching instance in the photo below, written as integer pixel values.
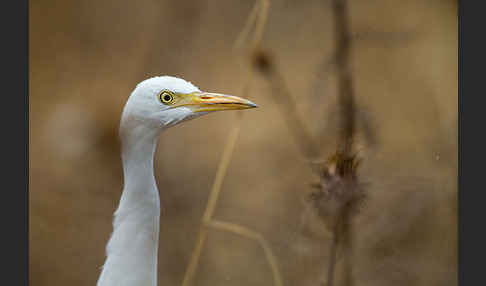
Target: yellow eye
(166, 97)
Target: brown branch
(347, 107)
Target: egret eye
(166, 97)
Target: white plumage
(132, 249)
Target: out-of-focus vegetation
(87, 56)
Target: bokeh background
(87, 56)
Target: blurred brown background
(87, 56)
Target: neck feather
(133, 246)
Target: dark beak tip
(251, 104)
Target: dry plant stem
(262, 7)
(220, 174)
(332, 256)
(341, 234)
(287, 105)
(259, 15)
(249, 22)
(211, 205)
(346, 241)
(345, 84)
(261, 21)
(347, 108)
(246, 232)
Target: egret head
(165, 101)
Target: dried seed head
(338, 191)
(342, 165)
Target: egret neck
(133, 246)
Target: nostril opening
(206, 97)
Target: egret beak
(206, 101)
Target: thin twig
(220, 174)
(251, 234)
(347, 130)
(346, 103)
(347, 242)
(332, 256)
(211, 205)
(246, 29)
(261, 21)
(263, 63)
(260, 6)
(258, 14)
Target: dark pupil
(167, 97)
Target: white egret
(154, 105)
